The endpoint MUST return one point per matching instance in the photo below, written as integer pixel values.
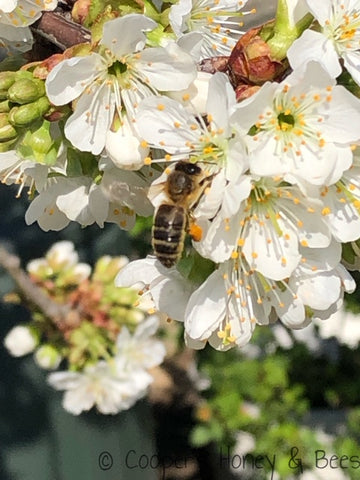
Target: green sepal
(195, 268)
(151, 11)
(346, 80)
(39, 145)
(97, 23)
(348, 253)
(155, 37)
(284, 33)
(81, 163)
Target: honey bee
(173, 219)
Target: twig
(60, 31)
(57, 313)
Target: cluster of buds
(101, 310)
(106, 335)
(23, 102)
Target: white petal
(171, 295)
(322, 11)
(314, 46)
(64, 380)
(87, 127)
(219, 238)
(156, 121)
(352, 65)
(77, 401)
(275, 256)
(43, 209)
(167, 69)
(319, 291)
(194, 97)
(8, 5)
(347, 281)
(205, 311)
(144, 271)
(292, 311)
(124, 148)
(320, 259)
(147, 328)
(343, 105)
(98, 204)
(221, 100)
(69, 78)
(125, 35)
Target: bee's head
(188, 168)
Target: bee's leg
(194, 230)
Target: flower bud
(6, 80)
(26, 90)
(251, 61)
(26, 114)
(6, 146)
(21, 340)
(107, 268)
(7, 131)
(47, 357)
(80, 11)
(4, 106)
(134, 317)
(41, 140)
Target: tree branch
(59, 314)
(62, 32)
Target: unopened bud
(6, 80)
(26, 114)
(251, 61)
(40, 140)
(26, 90)
(7, 131)
(134, 317)
(21, 340)
(43, 148)
(4, 106)
(47, 357)
(6, 146)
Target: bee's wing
(132, 196)
(157, 194)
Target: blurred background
(279, 408)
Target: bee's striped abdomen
(168, 233)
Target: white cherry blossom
(214, 20)
(167, 124)
(334, 42)
(269, 227)
(100, 385)
(114, 81)
(304, 127)
(140, 350)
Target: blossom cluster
(107, 350)
(269, 118)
